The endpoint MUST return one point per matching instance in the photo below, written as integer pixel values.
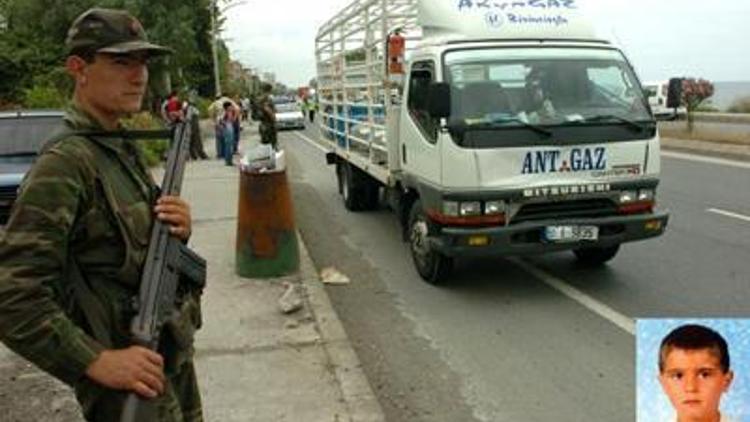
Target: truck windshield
(543, 87)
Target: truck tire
(371, 195)
(431, 265)
(593, 257)
(360, 191)
(340, 177)
(351, 188)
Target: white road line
(705, 159)
(729, 214)
(311, 142)
(624, 322)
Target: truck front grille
(586, 208)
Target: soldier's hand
(175, 212)
(134, 369)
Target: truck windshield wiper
(603, 117)
(503, 123)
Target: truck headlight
(628, 196)
(468, 209)
(450, 208)
(646, 195)
(494, 207)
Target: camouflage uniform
(267, 122)
(64, 213)
(84, 212)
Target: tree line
(32, 46)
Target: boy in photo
(694, 372)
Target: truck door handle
(403, 153)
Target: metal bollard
(266, 235)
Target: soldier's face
(116, 83)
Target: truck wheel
(431, 265)
(351, 188)
(596, 256)
(371, 194)
(340, 177)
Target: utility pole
(215, 37)
(215, 48)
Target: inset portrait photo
(693, 370)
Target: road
(534, 339)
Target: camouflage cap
(110, 31)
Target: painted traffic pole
(266, 235)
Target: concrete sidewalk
(255, 363)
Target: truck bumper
(527, 237)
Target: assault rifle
(167, 261)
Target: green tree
(32, 48)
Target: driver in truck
(540, 108)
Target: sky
(662, 38)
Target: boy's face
(694, 383)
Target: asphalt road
(537, 339)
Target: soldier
(76, 240)
(267, 117)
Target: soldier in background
(267, 117)
(77, 238)
(192, 116)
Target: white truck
(513, 129)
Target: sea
(725, 93)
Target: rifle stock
(167, 260)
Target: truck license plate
(570, 233)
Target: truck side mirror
(439, 100)
(674, 94)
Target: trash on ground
(331, 275)
(291, 300)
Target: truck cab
(546, 146)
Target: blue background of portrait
(652, 404)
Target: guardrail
(736, 118)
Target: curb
(358, 396)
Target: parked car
(22, 134)
(289, 115)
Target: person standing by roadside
(192, 116)
(237, 118)
(245, 104)
(267, 117)
(217, 110)
(174, 108)
(77, 237)
(311, 106)
(228, 131)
